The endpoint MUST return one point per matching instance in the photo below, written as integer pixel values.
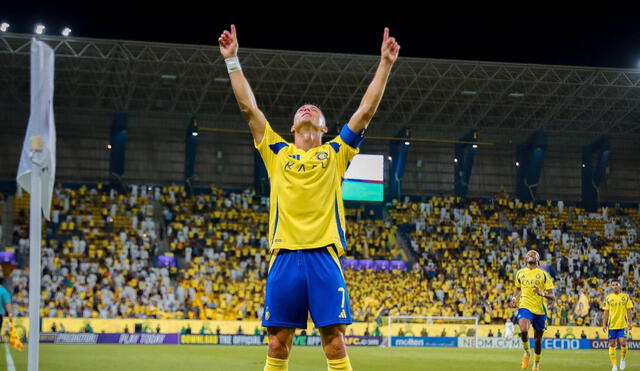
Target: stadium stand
(102, 256)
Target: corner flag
(36, 174)
(41, 124)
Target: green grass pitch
(200, 358)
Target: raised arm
(246, 100)
(369, 104)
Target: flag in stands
(582, 307)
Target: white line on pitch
(10, 365)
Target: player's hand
(630, 326)
(390, 47)
(537, 291)
(513, 302)
(605, 328)
(228, 42)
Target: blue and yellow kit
(532, 306)
(617, 305)
(306, 230)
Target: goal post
(434, 326)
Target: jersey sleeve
(271, 144)
(629, 302)
(517, 280)
(346, 145)
(548, 281)
(605, 304)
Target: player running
(617, 319)
(306, 219)
(533, 286)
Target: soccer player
(508, 329)
(617, 319)
(306, 221)
(533, 286)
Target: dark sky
(525, 32)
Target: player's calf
(280, 341)
(334, 347)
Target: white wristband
(233, 64)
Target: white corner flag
(36, 174)
(41, 124)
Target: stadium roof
(431, 96)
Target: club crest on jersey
(538, 276)
(321, 156)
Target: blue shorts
(302, 282)
(539, 321)
(617, 334)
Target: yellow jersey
(306, 208)
(527, 279)
(617, 305)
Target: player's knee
(538, 337)
(524, 335)
(335, 349)
(278, 348)
(333, 341)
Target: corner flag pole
(35, 234)
(36, 175)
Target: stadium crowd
(477, 246)
(101, 250)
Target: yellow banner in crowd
(252, 327)
(19, 327)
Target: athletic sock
(342, 364)
(612, 355)
(276, 364)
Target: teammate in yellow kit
(616, 321)
(306, 222)
(533, 287)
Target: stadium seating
(163, 254)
